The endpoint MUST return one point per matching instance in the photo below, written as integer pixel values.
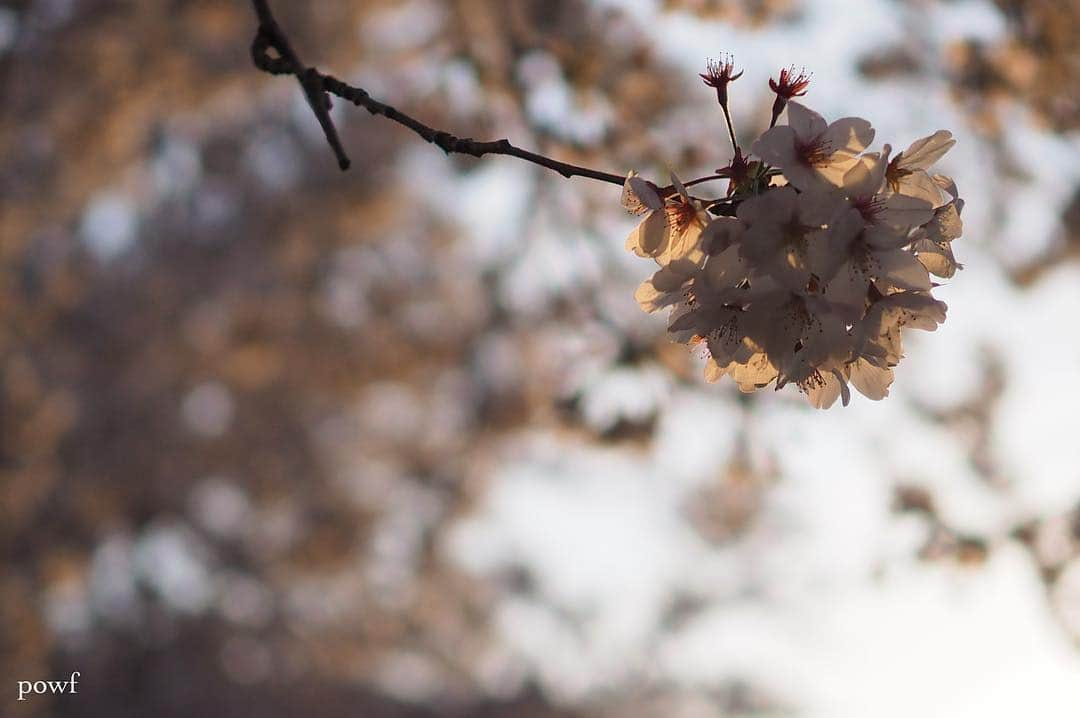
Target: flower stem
(730, 128)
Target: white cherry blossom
(782, 226)
(907, 172)
(933, 243)
(808, 150)
(814, 268)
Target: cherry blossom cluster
(815, 261)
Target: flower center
(680, 215)
(815, 153)
(894, 173)
(814, 381)
(796, 242)
(870, 207)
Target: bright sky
(821, 604)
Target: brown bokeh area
(200, 394)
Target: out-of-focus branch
(318, 87)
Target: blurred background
(399, 441)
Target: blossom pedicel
(818, 256)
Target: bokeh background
(281, 440)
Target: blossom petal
(652, 299)
(919, 185)
(776, 146)
(866, 176)
(946, 183)
(847, 292)
(903, 212)
(851, 135)
(650, 236)
(683, 245)
(639, 196)
(807, 124)
(725, 270)
(872, 381)
(918, 310)
(823, 392)
(946, 224)
(755, 373)
(677, 183)
(719, 234)
(775, 206)
(902, 270)
(713, 371)
(937, 257)
(926, 151)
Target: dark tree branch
(318, 88)
(270, 36)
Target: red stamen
(791, 84)
(718, 74)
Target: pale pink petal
(725, 270)
(679, 186)
(903, 212)
(720, 233)
(672, 276)
(682, 245)
(866, 176)
(846, 291)
(881, 236)
(946, 224)
(774, 206)
(902, 270)
(946, 183)
(823, 391)
(652, 299)
(807, 124)
(937, 257)
(713, 371)
(757, 372)
(926, 151)
(645, 193)
(850, 135)
(919, 185)
(872, 381)
(776, 147)
(650, 236)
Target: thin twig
(316, 85)
(269, 36)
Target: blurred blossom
(411, 677)
(213, 205)
(208, 409)
(173, 562)
(220, 506)
(392, 411)
(109, 225)
(274, 160)
(112, 580)
(177, 167)
(624, 395)
(273, 529)
(403, 26)
(67, 608)
(245, 601)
